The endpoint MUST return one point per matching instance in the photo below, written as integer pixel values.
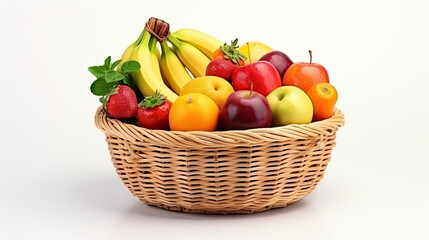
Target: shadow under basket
(220, 172)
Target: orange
(323, 96)
(193, 112)
(216, 88)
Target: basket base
(224, 172)
(218, 212)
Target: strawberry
(122, 102)
(153, 112)
(230, 53)
(221, 68)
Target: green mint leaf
(97, 71)
(107, 63)
(128, 80)
(113, 76)
(116, 63)
(130, 66)
(100, 87)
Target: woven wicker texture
(220, 172)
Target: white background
(56, 178)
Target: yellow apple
(290, 105)
(254, 51)
(216, 88)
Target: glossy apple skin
(242, 111)
(305, 75)
(263, 74)
(290, 105)
(280, 61)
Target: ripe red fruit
(153, 112)
(305, 75)
(244, 110)
(122, 102)
(221, 68)
(263, 74)
(280, 61)
(230, 53)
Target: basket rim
(135, 133)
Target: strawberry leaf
(114, 91)
(231, 52)
(153, 101)
(103, 100)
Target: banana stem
(152, 43)
(164, 47)
(139, 39)
(145, 38)
(176, 42)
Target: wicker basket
(220, 172)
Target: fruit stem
(248, 50)
(311, 55)
(145, 38)
(325, 90)
(251, 89)
(189, 99)
(139, 39)
(152, 43)
(176, 42)
(164, 47)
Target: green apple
(290, 105)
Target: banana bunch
(204, 42)
(168, 72)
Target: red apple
(264, 76)
(280, 61)
(245, 109)
(305, 75)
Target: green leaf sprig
(231, 52)
(153, 101)
(107, 78)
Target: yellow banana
(190, 56)
(152, 49)
(148, 79)
(158, 54)
(204, 42)
(126, 56)
(156, 59)
(173, 70)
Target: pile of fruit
(198, 83)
